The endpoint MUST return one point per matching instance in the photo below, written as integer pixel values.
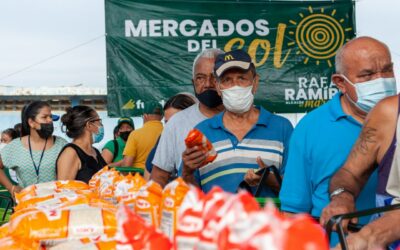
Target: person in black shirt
(79, 160)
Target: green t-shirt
(121, 146)
(15, 156)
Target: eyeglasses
(97, 120)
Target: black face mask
(210, 98)
(124, 135)
(46, 130)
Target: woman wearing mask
(113, 150)
(34, 155)
(79, 160)
(7, 136)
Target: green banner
(151, 46)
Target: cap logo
(228, 57)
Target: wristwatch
(339, 191)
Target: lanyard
(37, 167)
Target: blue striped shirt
(268, 138)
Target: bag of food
(48, 188)
(141, 235)
(73, 222)
(13, 243)
(223, 210)
(84, 244)
(190, 220)
(173, 195)
(127, 188)
(196, 138)
(148, 203)
(58, 196)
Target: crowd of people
(341, 157)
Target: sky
(32, 31)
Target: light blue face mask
(369, 93)
(97, 137)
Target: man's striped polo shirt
(268, 139)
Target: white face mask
(369, 93)
(238, 99)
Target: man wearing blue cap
(246, 137)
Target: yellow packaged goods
(173, 195)
(72, 222)
(48, 188)
(127, 188)
(148, 202)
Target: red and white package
(126, 189)
(135, 233)
(196, 138)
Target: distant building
(14, 98)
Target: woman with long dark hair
(79, 160)
(33, 156)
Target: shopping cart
(6, 205)
(337, 221)
(133, 170)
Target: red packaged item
(223, 210)
(196, 138)
(148, 203)
(134, 233)
(190, 221)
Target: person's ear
(256, 84)
(340, 82)
(31, 123)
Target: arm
(160, 176)
(6, 182)
(107, 155)
(68, 165)
(378, 234)
(368, 150)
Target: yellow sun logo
(319, 35)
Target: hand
(15, 189)
(251, 178)
(193, 159)
(340, 204)
(358, 241)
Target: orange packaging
(173, 195)
(4, 230)
(59, 196)
(72, 222)
(127, 188)
(12, 243)
(84, 244)
(196, 138)
(93, 182)
(48, 188)
(106, 184)
(148, 202)
(141, 235)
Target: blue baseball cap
(232, 59)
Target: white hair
(207, 53)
